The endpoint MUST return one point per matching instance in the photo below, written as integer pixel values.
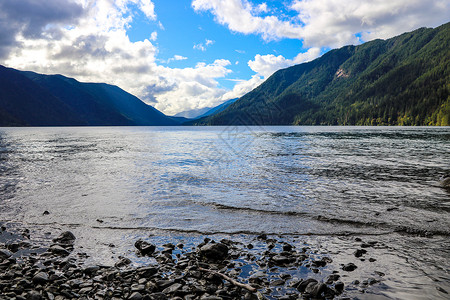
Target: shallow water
(112, 184)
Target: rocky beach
(258, 267)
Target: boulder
(40, 278)
(4, 254)
(66, 237)
(349, 267)
(144, 247)
(216, 251)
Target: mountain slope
(25, 103)
(404, 80)
(31, 99)
(218, 108)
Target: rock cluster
(210, 270)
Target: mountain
(218, 108)
(203, 112)
(31, 99)
(400, 81)
(192, 113)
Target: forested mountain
(31, 99)
(400, 81)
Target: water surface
(110, 183)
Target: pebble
(349, 267)
(173, 274)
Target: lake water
(110, 184)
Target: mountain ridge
(403, 80)
(32, 99)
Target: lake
(324, 184)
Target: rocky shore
(221, 269)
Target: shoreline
(278, 268)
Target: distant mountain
(400, 81)
(192, 113)
(206, 111)
(31, 99)
(218, 108)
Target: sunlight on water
(277, 180)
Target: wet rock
(277, 282)
(172, 289)
(147, 271)
(280, 260)
(122, 262)
(360, 252)
(4, 254)
(91, 270)
(144, 247)
(301, 287)
(40, 278)
(315, 289)
(216, 251)
(136, 296)
(58, 250)
(332, 278)
(349, 267)
(339, 286)
(287, 247)
(66, 237)
(34, 295)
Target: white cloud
(148, 8)
(243, 87)
(179, 57)
(266, 65)
(262, 8)
(154, 36)
(329, 23)
(203, 46)
(237, 15)
(93, 46)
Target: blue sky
(186, 55)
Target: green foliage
(400, 81)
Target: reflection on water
(281, 180)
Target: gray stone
(349, 267)
(66, 237)
(58, 250)
(360, 252)
(172, 289)
(4, 254)
(301, 287)
(144, 247)
(216, 251)
(135, 296)
(40, 278)
(280, 260)
(315, 289)
(34, 295)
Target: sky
(180, 55)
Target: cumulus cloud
(243, 87)
(34, 19)
(238, 16)
(92, 45)
(266, 65)
(203, 46)
(331, 23)
(328, 23)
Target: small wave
(249, 209)
(237, 232)
(388, 227)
